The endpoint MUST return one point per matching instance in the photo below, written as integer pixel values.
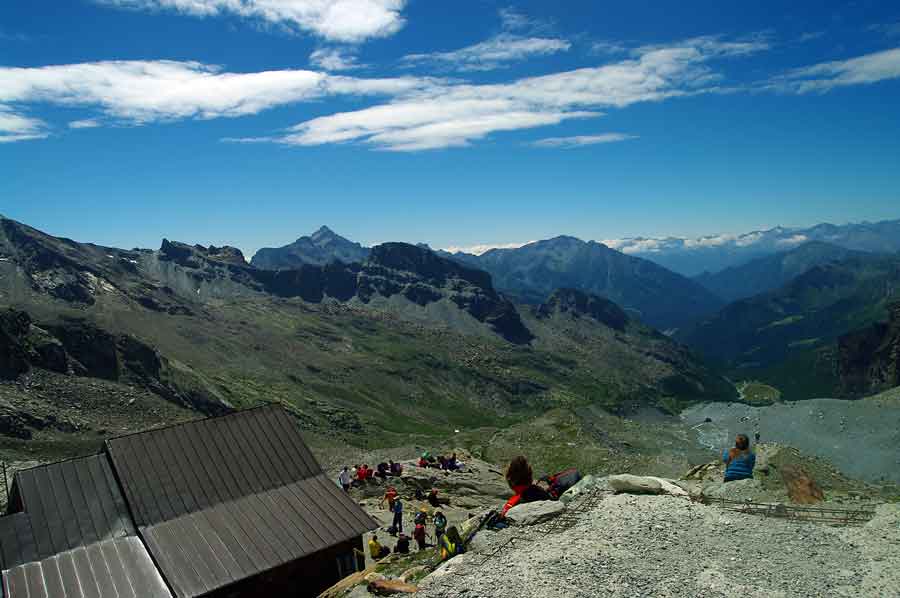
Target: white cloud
(446, 114)
(484, 248)
(823, 77)
(607, 48)
(334, 59)
(514, 20)
(15, 127)
(793, 240)
(581, 140)
(710, 241)
(140, 92)
(87, 123)
(491, 54)
(335, 20)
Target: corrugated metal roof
(75, 538)
(225, 498)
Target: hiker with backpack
(451, 544)
(440, 525)
(520, 478)
(739, 460)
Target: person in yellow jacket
(376, 550)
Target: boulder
(633, 484)
(587, 484)
(533, 513)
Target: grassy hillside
(787, 338)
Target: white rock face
(533, 513)
(633, 484)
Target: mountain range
(788, 337)
(406, 341)
(772, 271)
(712, 253)
(533, 272)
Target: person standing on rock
(398, 515)
(739, 460)
(344, 479)
(520, 478)
(440, 525)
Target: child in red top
(419, 535)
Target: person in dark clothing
(402, 546)
(739, 460)
(398, 515)
(440, 525)
(520, 478)
(382, 470)
(419, 536)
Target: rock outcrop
(533, 513)
(580, 304)
(869, 359)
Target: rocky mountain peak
(322, 247)
(580, 304)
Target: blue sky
(251, 122)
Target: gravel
(666, 546)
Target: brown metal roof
(225, 498)
(74, 537)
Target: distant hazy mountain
(713, 253)
(322, 247)
(788, 336)
(659, 297)
(771, 272)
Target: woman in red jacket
(521, 479)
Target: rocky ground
(630, 545)
(859, 437)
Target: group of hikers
(359, 475)
(450, 463)
(739, 463)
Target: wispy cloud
(514, 20)
(810, 36)
(484, 247)
(336, 20)
(580, 140)
(16, 127)
(608, 48)
(87, 123)
(823, 77)
(455, 114)
(149, 91)
(334, 59)
(491, 54)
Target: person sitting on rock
(520, 478)
(739, 460)
(376, 550)
(402, 546)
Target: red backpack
(562, 481)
